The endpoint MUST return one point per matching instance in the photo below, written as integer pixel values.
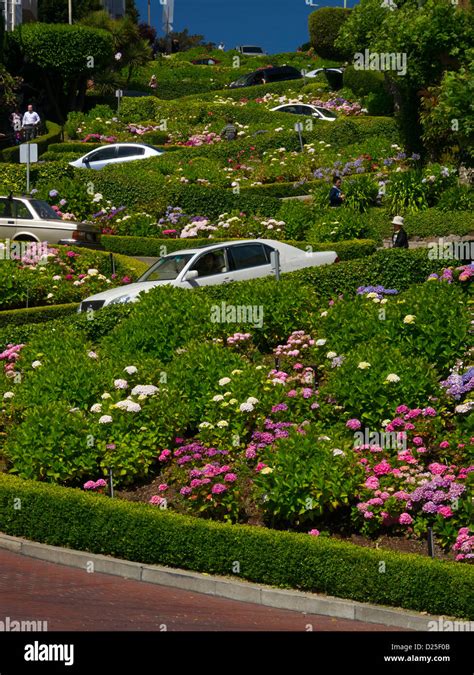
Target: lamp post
(69, 7)
(149, 12)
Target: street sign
(299, 126)
(119, 93)
(28, 153)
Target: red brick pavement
(71, 599)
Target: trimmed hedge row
(392, 268)
(68, 517)
(18, 317)
(155, 247)
(52, 135)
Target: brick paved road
(71, 599)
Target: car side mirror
(192, 274)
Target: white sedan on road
(115, 153)
(220, 263)
(315, 111)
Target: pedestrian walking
(221, 46)
(399, 237)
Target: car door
(128, 153)
(289, 109)
(97, 159)
(307, 110)
(7, 220)
(212, 268)
(25, 220)
(249, 261)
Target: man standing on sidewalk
(30, 123)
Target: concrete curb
(297, 601)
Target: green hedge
(392, 268)
(73, 146)
(154, 247)
(18, 317)
(429, 223)
(70, 518)
(52, 135)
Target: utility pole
(149, 13)
(69, 7)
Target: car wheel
(26, 237)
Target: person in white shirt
(30, 123)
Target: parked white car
(115, 153)
(307, 109)
(247, 50)
(220, 263)
(317, 71)
(28, 219)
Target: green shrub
(77, 147)
(297, 216)
(18, 317)
(324, 25)
(69, 518)
(133, 109)
(363, 82)
(392, 268)
(52, 135)
(361, 192)
(379, 103)
(154, 247)
(457, 198)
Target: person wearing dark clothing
(336, 198)
(399, 237)
(229, 132)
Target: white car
(317, 71)
(115, 153)
(220, 263)
(247, 50)
(307, 109)
(29, 219)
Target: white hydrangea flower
(223, 381)
(320, 343)
(36, 364)
(206, 425)
(410, 318)
(252, 400)
(222, 424)
(129, 406)
(96, 408)
(392, 377)
(105, 419)
(218, 398)
(363, 365)
(120, 384)
(131, 370)
(92, 272)
(246, 407)
(106, 395)
(331, 355)
(144, 390)
(8, 394)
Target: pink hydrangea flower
(314, 533)
(405, 519)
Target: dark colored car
(267, 75)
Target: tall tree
(430, 40)
(60, 59)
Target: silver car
(28, 219)
(221, 263)
(115, 153)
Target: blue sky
(276, 25)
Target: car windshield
(326, 112)
(242, 80)
(44, 210)
(255, 50)
(167, 268)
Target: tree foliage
(324, 25)
(60, 58)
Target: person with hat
(399, 237)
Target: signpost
(275, 262)
(118, 94)
(28, 155)
(299, 129)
